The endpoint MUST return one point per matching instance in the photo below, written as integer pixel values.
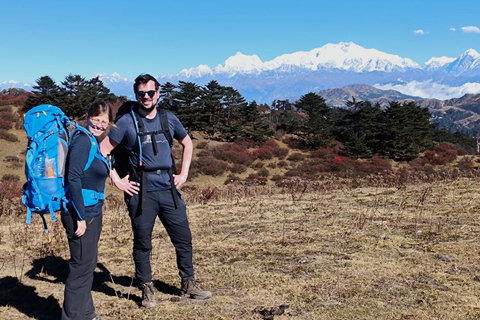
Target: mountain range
(290, 76)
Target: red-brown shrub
(238, 168)
(263, 153)
(4, 135)
(323, 153)
(292, 142)
(6, 109)
(204, 153)
(202, 145)
(233, 153)
(341, 163)
(10, 177)
(263, 172)
(280, 153)
(10, 189)
(441, 154)
(282, 164)
(258, 165)
(210, 166)
(5, 124)
(231, 178)
(371, 166)
(256, 179)
(296, 156)
(272, 165)
(270, 143)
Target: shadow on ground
(55, 270)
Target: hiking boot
(190, 289)
(148, 296)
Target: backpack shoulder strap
(139, 129)
(94, 149)
(165, 127)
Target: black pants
(175, 222)
(78, 302)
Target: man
(148, 187)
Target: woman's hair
(143, 79)
(98, 108)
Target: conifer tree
(407, 131)
(46, 92)
(318, 128)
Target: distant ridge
(292, 75)
(457, 114)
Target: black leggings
(78, 303)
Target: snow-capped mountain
(15, 84)
(437, 63)
(335, 65)
(289, 76)
(467, 63)
(344, 56)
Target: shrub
(5, 124)
(243, 144)
(322, 153)
(233, 153)
(441, 154)
(371, 166)
(263, 172)
(256, 179)
(340, 163)
(13, 159)
(10, 189)
(231, 178)
(297, 156)
(211, 166)
(271, 143)
(280, 153)
(6, 109)
(204, 153)
(238, 168)
(263, 153)
(202, 145)
(4, 135)
(209, 194)
(10, 177)
(292, 142)
(282, 164)
(258, 165)
(272, 165)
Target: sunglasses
(150, 93)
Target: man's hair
(143, 79)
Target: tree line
(360, 129)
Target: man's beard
(148, 109)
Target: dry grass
(364, 253)
(329, 251)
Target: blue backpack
(49, 133)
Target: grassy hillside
(332, 253)
(399, 246)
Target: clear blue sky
(87, 37)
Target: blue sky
(86, 37)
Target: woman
(83, 221)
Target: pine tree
(318, 128)
(46, 92)
(407, 131)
